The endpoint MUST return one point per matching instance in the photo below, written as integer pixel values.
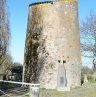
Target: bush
(82, 78)
(89, 78)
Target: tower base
(63, 88)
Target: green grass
(44, 89)
(77, 87)
(91, 81)
(55, 93)
(26, 96)
(92, 90)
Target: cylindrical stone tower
(52, 35)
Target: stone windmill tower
(52, 40)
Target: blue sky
(19, 18)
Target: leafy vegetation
(82, 78)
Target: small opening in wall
(59, 61)
(51, 2)
(64, 61)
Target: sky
(18, 24)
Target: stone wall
(52, 33)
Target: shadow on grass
(10, 88)
(6, 86)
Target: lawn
(86, 90)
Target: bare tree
(88, 35)
(7, 62)
(17, 64)
(88, 32)
(86, 70)
(4, 31)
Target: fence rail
(20, 83)
(34, 88)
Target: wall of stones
(52, 33)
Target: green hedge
(89, 78)
(82, 78)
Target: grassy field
(86, 90)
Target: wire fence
(18, 89)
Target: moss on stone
(47, 53)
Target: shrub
(82, 78)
